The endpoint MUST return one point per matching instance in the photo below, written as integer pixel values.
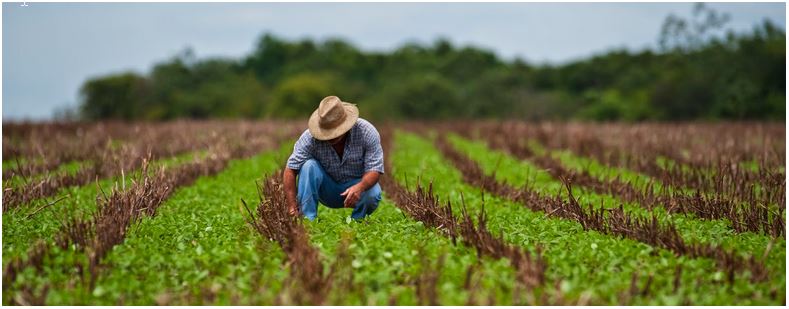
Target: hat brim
(352, 114)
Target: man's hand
(352, 195)
(293, 209)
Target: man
(338, 160)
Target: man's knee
(372, 195)
(310, 177)
(311, 169)
(311, 165)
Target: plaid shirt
(363, 153)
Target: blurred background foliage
(699, 71)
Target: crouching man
(338, 160)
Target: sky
(50, 49)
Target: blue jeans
(315, 185)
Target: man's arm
(301, 153)
(289, 182)
(369, 180)
(373, 166)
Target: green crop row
(9, 164)
(197, 249)
(387, 251)
(23, 226)
(587, 262)
(600, 171)
(692, 229)
(68, 168)
(636, 179)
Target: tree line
(699, 71)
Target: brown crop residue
(423, 205)
(610, 221)
(309, 283)
(123, 207)
(753, 201)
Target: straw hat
(332, 118)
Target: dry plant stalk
(609, 221)
(423, 206)
(123, 207)
(308, 281)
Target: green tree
(696, 73)
(119, 96)
(424, 96)
(233, 96)
(298, 96)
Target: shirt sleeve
(373, 152)
(302, 151)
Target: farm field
(474, 213)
